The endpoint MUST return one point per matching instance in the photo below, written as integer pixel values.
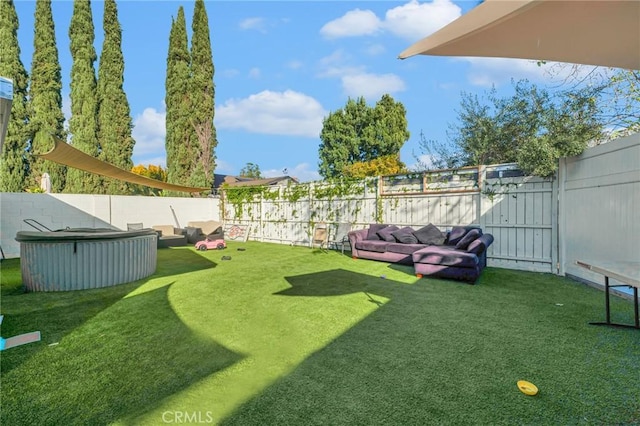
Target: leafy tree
(45, 99)
(532, 128)
(202, 100)
(178, 105)
(617, 92)
(152, 172)
(359, 133)
(84, 105)
(384, 165)
(114, 114)
(13, 165)
(251, 170)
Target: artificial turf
(298, 336)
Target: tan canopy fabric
(63, 153)
(590, 32)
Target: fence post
(480, 219)
(559, 226)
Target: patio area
(293, 335)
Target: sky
(282, 66)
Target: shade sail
(63, 153)
(604, 33)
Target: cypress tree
(83, 122)
(13, 166)
(45, 98)
(178, 134)
(114, 115)
(202, 100)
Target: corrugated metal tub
(83, 258)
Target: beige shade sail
(63, 153)
(604, 33)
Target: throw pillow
(456, 234)
(372, 232)
(405, 235)
(385, 233)
(429, 234)
(470, 236)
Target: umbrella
(604, 33)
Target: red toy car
(205, 245)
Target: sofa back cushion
(457, 233)
(405, 235)
(470, 236)
(480, 244)
(385, 234)
(429, 234)
(372, 232)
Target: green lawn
(296, 336)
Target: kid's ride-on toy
(207, 244)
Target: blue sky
(281, 67)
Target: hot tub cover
(76, 234)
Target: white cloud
(149, 134)
(223, 167)
(356, 81)
(276, 113)
(497, 71)
(353, 23)
(375, 49)
(229, 72)
(256, 23)
(294, 64)
(254, 73)
(411, 21)
(337, 64)
(371, 86)
(302, 172)
(415, 20)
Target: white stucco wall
(57, 211)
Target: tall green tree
(114, 114)
(202, 94)
(13, 164)
(616, 90)
(84, 104)
(45, 99)
(178, 104)
(251, 170)
(359, 133)
(532, 128)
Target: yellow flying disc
(527, 388)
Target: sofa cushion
(404, 248)
(470, 236)
(479, 245)
(445, 255)
(429, 234)
(385, 233)
(372, 232)
(455, 235)
(405, 235)
(371, 245)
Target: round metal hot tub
(83, 258)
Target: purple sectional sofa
(459, 254)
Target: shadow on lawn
(338, 282)
(125, 360)
(442, 353)
(57, 314)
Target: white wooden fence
(517, 210)
(589, 212)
